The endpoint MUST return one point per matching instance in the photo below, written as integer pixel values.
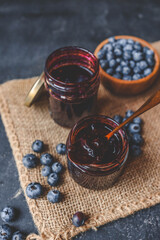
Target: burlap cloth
(137, 188)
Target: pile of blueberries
(126, 59)
(133, 130)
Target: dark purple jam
(92, 147)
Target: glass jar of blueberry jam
(93, 161)
(72, 80)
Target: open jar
(89, 163)
(72, 81)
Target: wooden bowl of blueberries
(128, 65)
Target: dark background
(29, 31)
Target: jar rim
(111, 166)
(71, 48)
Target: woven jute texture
(137, 188)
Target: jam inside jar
(72, 81)
(94, 161)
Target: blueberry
(118, 118)
(117, 52)
(137, 56)
(111, 40)
(134, 128)
(124, 63)
(127, 55)
(149, 53)
(117, 46)
(118, 60)
(61, 148)
(136, 69)
(126, 70)
(8, 214)
(30, 161)
(53, 196)
(109, 56)
(110, 71)
(130, 41)
(136, 76)
(138, 46)
(34, 190)
(127, 77)
(46, 171)
(137, 139)
(101, 54)
(18, 236)
(145, 49)
(118, 69)
(57, 167)
(107, 47)
(103, 63)
(143, 64)
(117, 75)
(135, 150)
(37, 146)
(147, 71)
(78, 219)
(127, 124)
(5, 232)
(137, 120)
(46, 159)
(112, 63)
(122, 41)
(129, 113)
(53, 179)
(128, 47)
(132, 63)
(150, 61)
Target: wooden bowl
(133, 87)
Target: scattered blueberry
(126, 70)
(34, 190)
(46, 159)
(134, 128)
(135, 150)
(129, 113)
(61, 148)
(18, 236)
(118, 118)
(53, 179)
(137, 139)
(147, 71)
(137, 120)
(103, 63)
(53, 196)
(57, 167)
(30, 161)
(46, 171)
(37, 146)
(78, 219)
(8, 214)
(5, 232)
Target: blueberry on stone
(136, 76)
(107, 47)
(134, 128)
(117, 75)
(78, 219)
(46, 171)
(137, 139)
(127, 55)
(103, 63)
(136, 69)
(110, 71)
(127, 77)
(53, 196)
(111, 40)
(34, 190)
(132, 63)
(126, 70)
(147, 71)
(8, 214)
(135, 150)
(137, 120)
(118, 118)
(46, 159)
(109, 56)
(61, 148)
(117, 52)
(112, 63)
(129, 113)
(101, 54)
(57, 167)
(137, 56)
(143, 64)
(5, 232)
(18, 236)
(53, 179)
(30, 161)
(37, 146)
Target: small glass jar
(97, 176)
(70, 101)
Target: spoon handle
(150, 103)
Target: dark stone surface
(29, 31)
